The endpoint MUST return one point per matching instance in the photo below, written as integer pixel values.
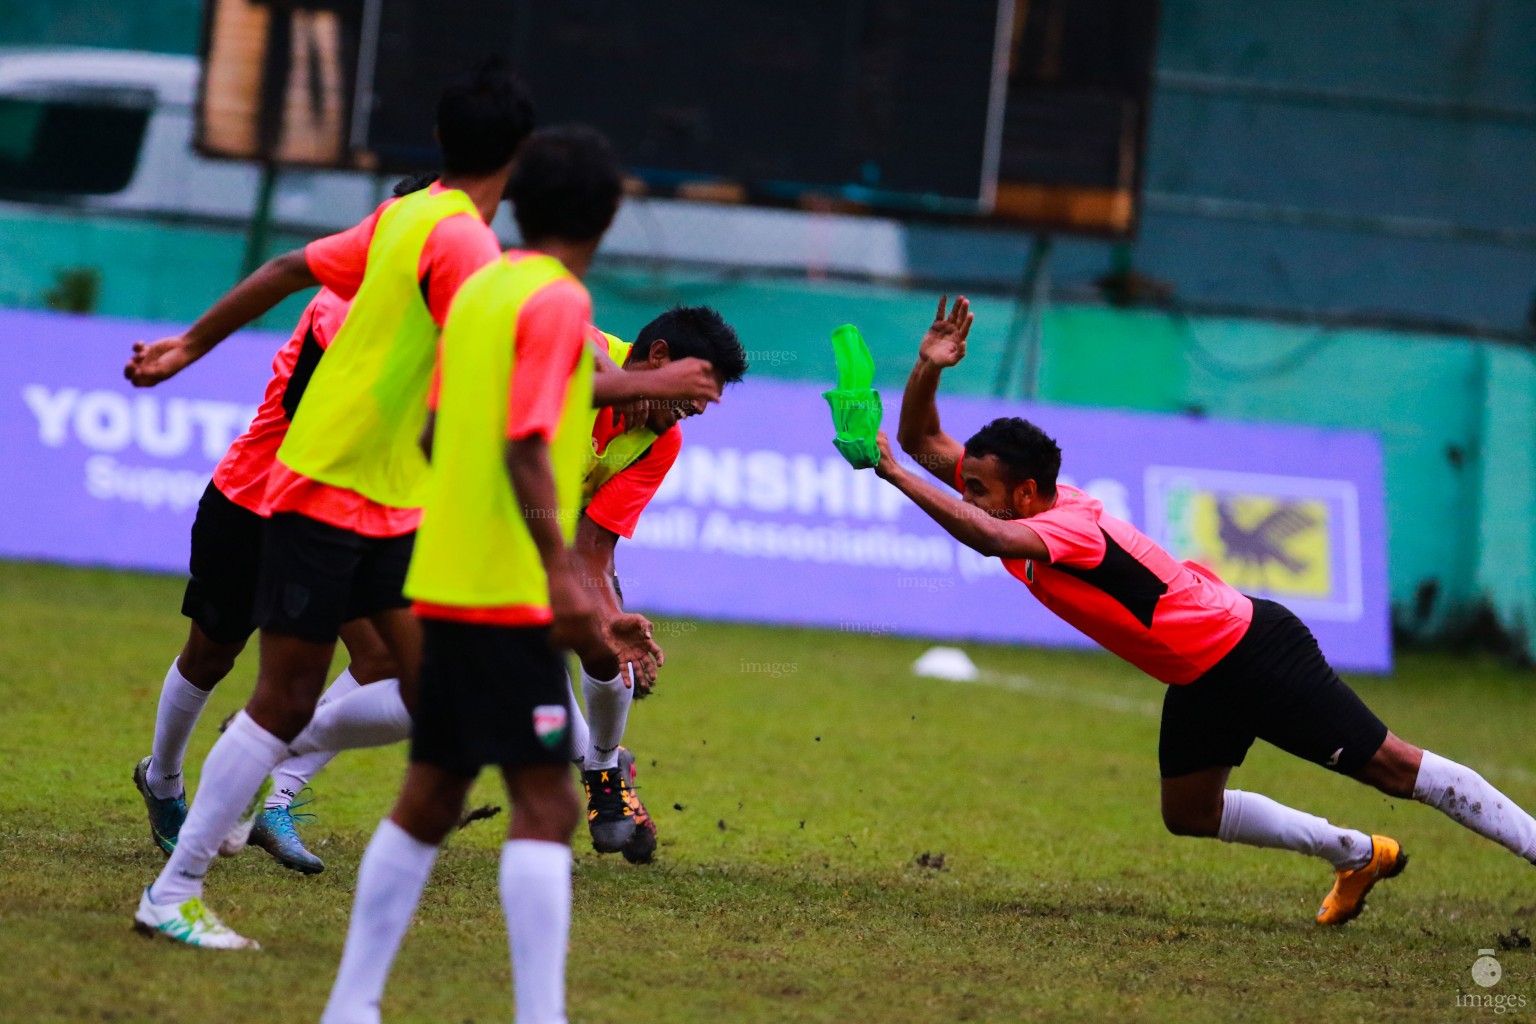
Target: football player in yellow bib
(493, 580)
(626, 464)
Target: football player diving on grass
(1237, 668)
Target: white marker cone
(949, 663)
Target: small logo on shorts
(549, 721)
(1333, 762)
(1029, 570)
(295, 599)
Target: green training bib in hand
(855, 404)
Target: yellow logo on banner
(1260, 542)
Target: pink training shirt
(1173, 620)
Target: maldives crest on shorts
(549, 724)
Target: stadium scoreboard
(1028, 112)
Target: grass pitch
(840, 841)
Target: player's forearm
(618, 388)
(533, 487)
(272, 282)
(594, 558)
(919, 411)
(970, 526)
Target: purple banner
(96, 471)
(760, 520)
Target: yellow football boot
(1347, 898)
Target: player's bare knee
(369, 658)
(1201, 823)
(284, 715)
(549, 814)
(426, 821)
(204, 662)
(430, 802)
(1393, 769)
(373, 667)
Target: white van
(133, 112)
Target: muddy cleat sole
(165, 814)
(641, 846)
(1346, 899)
(238, 836)
(189, 922)
(274, 831)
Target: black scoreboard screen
(894, 105)
(1030, 113)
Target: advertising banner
(760, 520)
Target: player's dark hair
(698, 332)
(415, 183)
(566, 185)
(482, 119)
(1023, 448)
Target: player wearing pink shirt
(1237, 668)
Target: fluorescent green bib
(474, 549)
(621, 451)
(359, 423)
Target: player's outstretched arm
(1000, 538)
(273, 282)
(575, 622)
(628, 633)
(681, 380)
(918, 431)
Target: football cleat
(238, 836)
(641, 845)
(610, 818)
(165, 813)
(1347, 897)
(189, 921)
(275, 831)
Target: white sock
(1466, 798)
(580, 734)
(1256, 820)
(294, 774)
(608, 702)
(393, 872)
(181, 704)
(232, 774)
(536, 897)
(369, 716)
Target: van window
(66, 141)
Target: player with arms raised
(1237, 668)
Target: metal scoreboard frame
(1050, 118)
(845, 194)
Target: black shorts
(490, 695)
(315, 576)
(226, 557)
(1275, 685)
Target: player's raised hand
(944, 344)
(156, 361)
(685, 380)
